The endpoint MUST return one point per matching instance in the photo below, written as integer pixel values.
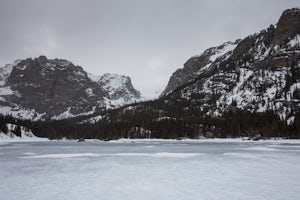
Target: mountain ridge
(43, 88)
(270, 54)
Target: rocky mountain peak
(197, 64)
(119, 87)
(43, 88)
(42, 59)
(288, 25)
(258, 73)
(256, 47)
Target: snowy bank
(15, 133)
(211, 140)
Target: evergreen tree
(4, 128)
(17, 131)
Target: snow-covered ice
(170, 169)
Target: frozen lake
(144, 170)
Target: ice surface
(170, 169)
(259, 148)
(75, 155)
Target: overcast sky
(144, 39)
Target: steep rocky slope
(119, 88)
(44, 88)
(259, 73)
(197, 64)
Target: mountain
(249, 87)
(119, 88)
(195, 65)
(43, 88)
(259, 73)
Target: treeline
(149, 123)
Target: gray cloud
(145, 39)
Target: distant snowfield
(229, 169)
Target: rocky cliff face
(44, 88)
(119, 89)
(259, 73)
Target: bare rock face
(55, 88)
(120, 89)
(287, 26)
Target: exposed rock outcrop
(44, 88)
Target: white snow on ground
(26, 135)
(29, 153)
(262, 149)
(63, 155)
(93, 119)
(110, 171)
(210, 140)
(4, 139)
(64, 115)
(159, 155)
(243, 155)
(68, 114)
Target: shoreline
(155, 140)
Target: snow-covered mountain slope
(259, 73)
(197, 64)
(120, 89)
(44, 88)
